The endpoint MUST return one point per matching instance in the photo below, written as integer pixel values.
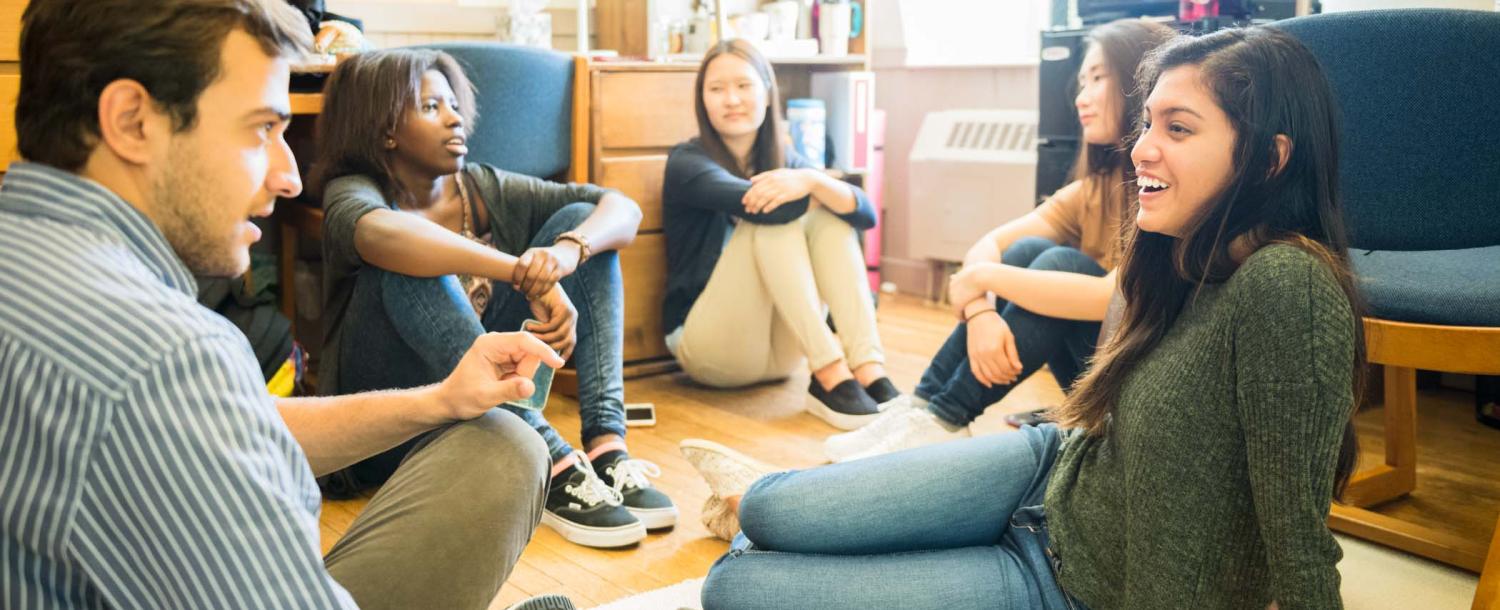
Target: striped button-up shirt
(142, 462)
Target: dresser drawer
(644, 266)
(10, 29)
(645, 109)
(10, 85)
(639, 178)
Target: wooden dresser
(636, 112)
(10, 78)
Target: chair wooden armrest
(1487, 596)
(297, 219)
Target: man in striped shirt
(142, 463)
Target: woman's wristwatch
(583, 244)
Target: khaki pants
(450, 524)
(763, 309)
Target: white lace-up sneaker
(916, 427)
(839, 447)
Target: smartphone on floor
(640, 414)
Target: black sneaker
(551, 601)
(585, 511)
(845, 407)
(629, 477)
(340, 484)
(883, 391)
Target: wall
(395, 23)
(907, 94)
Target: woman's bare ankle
(869, 373)
(833, 374)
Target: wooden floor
(1458, 487)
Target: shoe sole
(545, 602)
(595, 537)
(706, 446)
(842, 421)
(656, 518)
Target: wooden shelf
(307, 103)
(822, 60)
(694, 60)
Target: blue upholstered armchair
(1419, 92)
(525, 99)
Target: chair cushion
(1448, 287)
(525, 99)
(1419, 165)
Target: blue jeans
(949, 385)
(404, 331)
(883, 532)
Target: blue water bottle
(807, 120)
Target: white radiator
(971, 171)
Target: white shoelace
(883, 424)
(593, 490)
(633, 472)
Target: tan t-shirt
(1084, 223)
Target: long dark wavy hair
(1105, 169)
(1268, 84)
(767, 153)
(364, 103)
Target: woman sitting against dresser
(759, 242)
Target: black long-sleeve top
(700, 202)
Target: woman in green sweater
(1197, 458)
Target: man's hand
(992, 350)
(497, 368)
(559, 321)
(539, 269)
(772, 189)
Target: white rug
(683, 595)
(1376, 578)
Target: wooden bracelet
(980, 313)
(584, 252)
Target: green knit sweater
(1211, 487)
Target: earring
(390, 143)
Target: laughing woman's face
(1184, 156)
